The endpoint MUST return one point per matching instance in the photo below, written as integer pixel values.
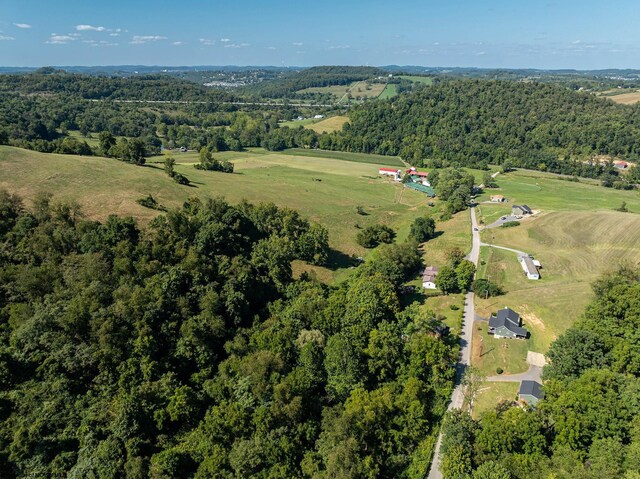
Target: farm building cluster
(412, 178)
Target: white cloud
(236, 45)
(22, 25)
(177, 43)
(5, 37)
(225, 40)
(270, 48)
(140, 39)
(297, 44)
(114, 34)
(339, 47)
(89, 28)
(60, 39)
(207, 42)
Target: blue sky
(496, 33)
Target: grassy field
(324, 189)
(418, 79)
(626, 98)
(92, 139)
(297, 123)
(488, 353)
(491, 394)
(358, 89)
(389, 91)
(331, 124)
(622, 96)
(577, 237)
(347, 156)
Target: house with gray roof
(520, 210)
(530, 392)
(506, 323)
(529, 267)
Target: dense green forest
(587, 427)
(451, 123)
(148, 87)
(187, 349)
(472, 122)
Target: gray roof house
(520, 210)
(506, 323)
(529, 267)
(531, 392)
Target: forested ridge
(588, 426)
(187, 349)
(289, 84)
(148, 87)
(473, 122)
(451, 123)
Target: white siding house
(529, 267)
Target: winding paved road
(457, 397)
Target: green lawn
(545, 191)
(488, 353)
(418, 79)
(389, 91)
(489, 213)
(577, 237)
(347, 156)
(297, 123)
(492, 394)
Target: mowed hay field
(623, 98)
(577, 237)
(356, 89)
(323, 189)
(329, 125)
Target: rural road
(199, 102)
(464, 360)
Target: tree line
(188, 349)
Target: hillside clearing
(325, 189)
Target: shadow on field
(337, 259)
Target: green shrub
(510, 224)
(150, 202)
(372, 236)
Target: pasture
(324, 189)
(629, 97)
(358, 89)
(346, 156)
(418, 79)
(577, 237)
(389, 91)
(329, 125)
